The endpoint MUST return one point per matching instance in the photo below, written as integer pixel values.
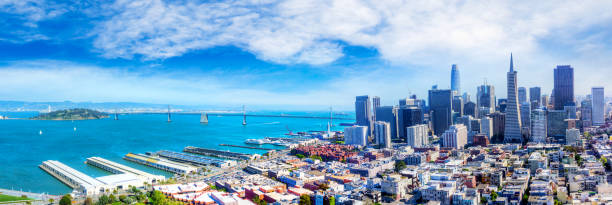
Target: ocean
(23, 148)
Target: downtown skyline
(166, 52)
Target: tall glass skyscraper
(597, 93)
(440, 105)
(375, 104)
(363, 114)
(564, 87)
(512, 131)
(485, 97)
(455, 80)
(535, 97)
(522, 95)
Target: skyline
(291, 54)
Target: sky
(293, 54)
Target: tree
(604, 161)
(483, 200)
(157, 198)
(332, 200)
(493, 196)
(88, 201)
(66, 200)
(316, 157)
(301, 156)
(399, 165)
(305, 199)
(51, 200)
(103, 200)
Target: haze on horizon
(308, 54)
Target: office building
(440, 104)
(408, 116)
(538, 126)
(586, 112)
(455, 137)
(522, 95)
(501, 105)
(556, 124)
(455, 80)
(544, 102)
(485, 97)
(416, 135)
(499, 125)
(458, 105)
(356, 135)
(486, 126)
(572, 136)
(466, 97)
(563, 87)
(363, 114)
(375, 104)
(390, 115)
(469, 108)
(512, 132)
(535, 97)
(526, 117)
(598, 101)
(382, 134)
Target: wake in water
(271, 123)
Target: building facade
(382, 134)
(363, 112)
(356, 135)
(564, 86)
(455, 137)
(440, 105)
(416, 135)
(598, 101)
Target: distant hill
(72, 114)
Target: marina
(195, 159)
(217, 153)
(166, 165)
(117, 168)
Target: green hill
(72, 114)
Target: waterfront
(23, 148)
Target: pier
(162, 164)
(117, 168)
(195, 159)
(247, 147)
(217, 153)
(73, 178)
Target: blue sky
(294, 54)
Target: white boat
(254, 141)
(40, 132)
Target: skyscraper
(535, 97)
(586, 111)
(564, 87)
(597, 93)
(356, 135)
(487, 127)
(526, 118)
(363, 114)
(522, 95)
(458, 105)
(375, 104)
(455, 137)
(455, 80)
(485, 97)
(389, 114)
(469, 108)
(408, 116)
(382, 134)
(538, 126)
(512, 131)
(440, 104)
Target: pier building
(167, 165)
(117, 168)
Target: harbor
(217, 153)
(166, 165)
(248, 147)
(117, 168)
(78, 181)
(195, 159)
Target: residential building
(356, 135)
(382, 134)
(455, 137)
(416, 135)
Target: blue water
(22, 148)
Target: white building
(487, 126)
(455, 136)
(538, 126)
(572, 136)
(356, 135)
(597, 93)
(416, 136)
(393, 184)
(382, 133)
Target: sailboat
(204, 118)
(40, 132)
(243, 116)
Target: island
(72, 114)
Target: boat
(204, 118)
(254, 141)
(40, 132)
(74, 128)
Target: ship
(204, 118)
(257, 141)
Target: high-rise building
(586, 112)
(440, 104)
(375, 104)
(455, 81)
(363, 113)
(466, 97)
(526, 118)
(556, 124)
(487, 126)
(408, 116)
(485, 97)
(407, 102)
(382, 134)
(458, 105)
(544, 101)
(535, 97)
(416, 136)
(389, 114)
(564, 87)
(356, 135)
(572, 136)
(512, 132)
(502, 104)
(597, 93)
(499, 125)
(538, 126)
(455, 137)
(522, 95)
(469, 108)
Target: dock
(166, 165)
(195, 159)
(117, 168)
(73, 178)
(217, 153)
(240, 146)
